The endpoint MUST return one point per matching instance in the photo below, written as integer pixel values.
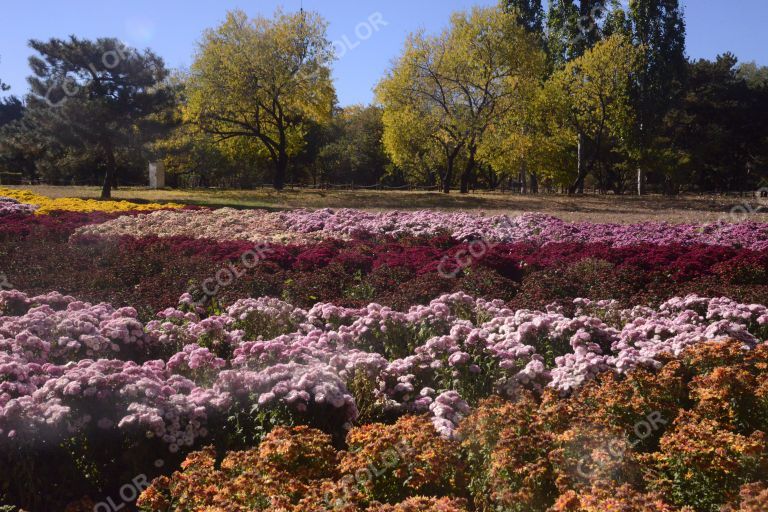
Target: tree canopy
(262, 80)
(563, 95)
(446, 91)
(589, 101)
(89, 99)
(353, 152)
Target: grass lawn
(590, 207)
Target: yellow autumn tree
(261, 81)
(587, 105)
(447, 93)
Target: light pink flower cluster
(57, 329)
(303, 226)
(10, 206)
(448, 410)
(60, 400)
(257, 226)
(300, 386)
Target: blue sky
(173, 27)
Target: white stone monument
(156, 175)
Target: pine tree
(93, 96)
(573, 27)
(530, 14)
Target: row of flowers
(40, 254)
(302, 226)
(306, 226)
(42, 205)
(71, 370)
(689, 436)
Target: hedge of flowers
(44, 205)
(686, 436)
(262, 226)
(39, 254)
(72, 371)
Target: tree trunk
(493, 178)
(446, 186)
(281, 165)
(524, 177)
(640, 181)
(466, 176)
(581, 172)
(448, 175)
(534, 183)
(110, 175)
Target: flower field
(158, 357)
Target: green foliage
(12, 161)
(657, 27)
(354, 153)
(573, 28)
(720, 126)
(242, 429)
(11, 109)
(755, 76)
(89, 102)
(529, 13)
